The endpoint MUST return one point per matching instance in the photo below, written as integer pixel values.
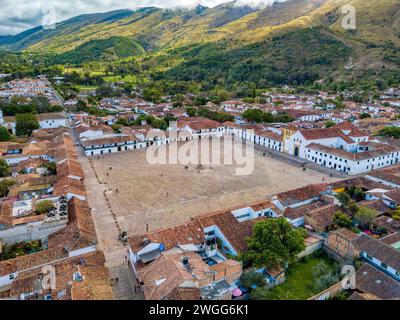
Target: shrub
(44, 206)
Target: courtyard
(142, 195)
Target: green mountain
(110, 49)
(288, 42)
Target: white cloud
(17, 16)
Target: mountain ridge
(188, 41)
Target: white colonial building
(46, 121)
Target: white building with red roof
(343, 148)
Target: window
(384, 265)
(369, 257)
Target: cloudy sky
(19, 15)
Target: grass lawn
(306, 278)
(85, 88)
(127, 78)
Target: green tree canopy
(44, 206)
(5, 186)
(274, 243)
(342, 220)
(26, 124)
(330, 123)
(356, 193)
(365, 115)
(365, 216)
(116, 127)
(159, 124)
(391, 131)
(4, 168)
(249, 279)
(4, 134)
(344, 198)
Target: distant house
(185, 276)
(206, 240)
(373, 284)
(46, 121)
(321, 219)
(345, 245)
(109, 144)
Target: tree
(191, 112)
(365, 216)
(4, 168)
(391, 131)
(252, 278)
(4, 134)
(365, 115)
(253, 115)
(356, 193)
(116, 127)
(273, 244)
(44, 206)
(5, 187)
(26, 124)
(329, 124)
(51, 168)
(159, 124)
(223, 95)
(152, 94)
(344, 199)
(342, 220)
(122, 122)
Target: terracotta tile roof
(379, 250)
(184, 294)
(187, 233)
(50, 116)
(298, 212)
(269, 134)
(362, 296)
(69, 171)
(377, 205)
(31, 163)
(316, 134)
(95, 286)
(346, 233)
(347, 126)
(230, 124)
(7, 146)
(383, 150)
(265, 204)
(30, 261)
(391, 239)
(80, 231)
(198, 123)
(107, 140)
(192, 232)
(165, 274)
(362, 182)
(386, 175)
(388, 223)
(371, 280)
(233, 230)
(323, 216)
(393, 195)
(100, 127)
(301, 194)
